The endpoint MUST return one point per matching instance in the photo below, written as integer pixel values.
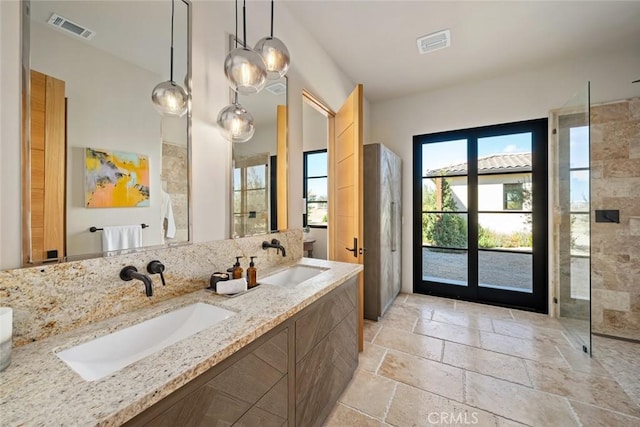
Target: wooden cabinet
(291, 376)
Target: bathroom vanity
(283, 358)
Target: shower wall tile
(615, 184)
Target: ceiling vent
(70, 27)
(434, 41)
(277, 88)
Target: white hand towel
(121, 237)
(167, 213)
(231, 286)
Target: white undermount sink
(293, 275)
(107, 354)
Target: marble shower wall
(615, 248)
(174, 163)
(51, 299)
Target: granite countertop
(38, 388)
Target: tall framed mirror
(96, 154)
(259, 191)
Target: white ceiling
(374, 42)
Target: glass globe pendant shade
(275, 56)
(245, 71)
(236, 123)
(170, 99)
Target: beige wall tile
(612, 112)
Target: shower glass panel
(573, 221)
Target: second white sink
(293, 275)
(105, 355)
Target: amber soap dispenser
(237, 269)
(252, 273)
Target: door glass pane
(579, 190)
(504, 153)
(317, 190)
(505, 192)
(505, 270)
(442, 194)
(445, 230)
(445, 265)
(571, 230)
(317, 213)
(579, 147)
(510, 231)
(444, 158)
(317, 164)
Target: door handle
(355, 247)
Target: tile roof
(511, 162)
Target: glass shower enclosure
(571, 218)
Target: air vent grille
(434, 41)
(277, 88)
(70, 27)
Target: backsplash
(51, 299)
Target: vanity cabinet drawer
(248, 389)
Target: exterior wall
(615, 248)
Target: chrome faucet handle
(156, 267)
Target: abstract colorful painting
(115, 179)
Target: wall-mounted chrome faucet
(156, 267)
(130, 272)
(275, 243)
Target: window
(513, 197)
(251, 195)
(315, 189)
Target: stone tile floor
(436, 361)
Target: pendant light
(274, 53)
(169, 98)
(244, 67)
(234, 121)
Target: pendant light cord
(235, 94)
(244, 23)
(272, 18)
(172, 13)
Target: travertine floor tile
(371, 357)
(343, 416)
(484, 310)
(415, 407)
(486, 362)
(536, 319)
(408, 342)
(369, 393)
(582, 362)
(530, 332)
(371, 328)
(444, 331)
(402, 320)
(592, 416)
(517, 402)
(622, 360)
(460, 318)
(601, 391)
(425, 374)
(527, 349)
(400, 308)
(429, 301)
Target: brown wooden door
(346, 192)
(47, 172)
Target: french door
(480, 214)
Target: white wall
(520, 96)
(311, 69)
(315, 134)
(95, 89)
